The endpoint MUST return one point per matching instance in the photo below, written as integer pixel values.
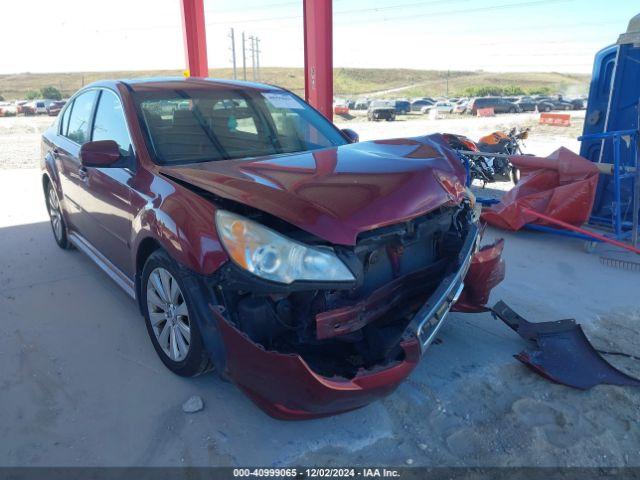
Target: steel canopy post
(318, 55)
(195, 37)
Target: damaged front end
(310, 348)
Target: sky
(492, 35)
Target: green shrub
(51, 92)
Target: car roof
(172, 83)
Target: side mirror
(352, 136)
(102, 153)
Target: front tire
(58, 225)
(170, 311)
(514, 173)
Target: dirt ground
(81, 384)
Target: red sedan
(261, 241)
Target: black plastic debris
(562, 353)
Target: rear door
(74, 130)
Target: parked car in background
(417, 105)
(402, 107)
(341, 109)
(40, 107)
(8, 109)
(440, 107)
(578, 103)
(460, 107)
(428, 99)
(260, 241)
(556, 104)
(499, 105)
(54, 107)
(25, 108)
(526, 104)
(381, 110)
(362, 104)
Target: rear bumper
(284, 385)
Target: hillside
(347, 81)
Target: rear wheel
(170, 311)
(58, 225)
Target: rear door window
(79, 129)
(64, 120)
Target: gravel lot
(81, 384)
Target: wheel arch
(146, 247)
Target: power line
(418, 15)
(447, 13)
(346, 12)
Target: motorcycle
(477, 164)
(490, 168)
(510, 143)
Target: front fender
(183, 223)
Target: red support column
(195, 37)
(318, 55)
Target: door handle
(82, 173)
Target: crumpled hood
(337, 193)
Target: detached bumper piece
(486, 271)
(562, 352)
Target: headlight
(272, 256)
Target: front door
(108, 193)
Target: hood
(339, 192)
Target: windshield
(194, 125)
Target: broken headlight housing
(272, 256)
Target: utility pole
(252, 39)
(448, 83)
(233, 53)
(244, 59)
(258, 57)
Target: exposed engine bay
(340, 329)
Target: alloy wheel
(168, 314)
(55, 214)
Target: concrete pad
(81, 383)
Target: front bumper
(284, 385)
